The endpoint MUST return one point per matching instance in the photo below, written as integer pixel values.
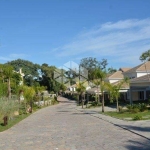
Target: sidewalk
(141, 128)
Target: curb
(120, 126)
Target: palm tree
(98, 79)
(29, 93)
(81, 91)
(114, 90)
(8, 72)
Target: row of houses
(138, 87)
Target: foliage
(47, 78)
(137, 117)
(145, 56)
(111, 70)
(91, 64)
(28, 93)
(114, 90)
(28, 68)
(7, 108)
(137, 107)
(98, 77)
(94, 104)
(22, 108)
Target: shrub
(137, 107)
(22, 108)
(134, 110)
(142, 107)
(120, 108)
(7, 109)
(137, 117)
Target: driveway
(63, 127)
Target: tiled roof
(124, 85)
(145, 78)
(124, 69)
(141, 67)
(116, 75)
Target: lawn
(12, 121)
(126, 115)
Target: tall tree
(8, 73)
(91, 64)
(28, 68)
(114, 90)
(80, 88)
(98, 76)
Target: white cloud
(122, 40)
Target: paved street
(63, 127)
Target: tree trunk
(117, 104)
(103, 102)
(87, 100)
(9, 89)
(78, 99)
(83, 98)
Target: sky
(58, 31)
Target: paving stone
(64, 127)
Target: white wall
(139, 74)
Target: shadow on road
(135, 145)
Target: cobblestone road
(62, 127)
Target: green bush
(137, 117)
(137, 107)
(94, 104)
(134, 110)
(7, 108)
(142, 107)
(22, 108)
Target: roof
(140, 68)
(93, 90)
(145, 78)
(116, 75)
(124, 85)
(124, 69)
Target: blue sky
(58, 31)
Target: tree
(30, 69)
(98, 78)
(8, 73)
(91, 64)
(111, 70)
(145, 57)
(29, 93)
(114, 90)
(80, 88)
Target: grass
(18, 118)
(12, 122)
(126, 115)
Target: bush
(137, 117)
(142, 107)
(120, 108)
(94, 104)
(134, 110)
(7, 109)
(137, 107)
(22, 108)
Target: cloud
(122, 41)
